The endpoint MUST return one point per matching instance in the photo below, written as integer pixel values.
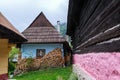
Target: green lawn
(48, 74)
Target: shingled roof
(7, 28)
(42, 31)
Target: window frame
(39, 54)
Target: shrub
(11, 67)
(11, 64)
(13, 53)
(29, 61)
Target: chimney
(58, 26)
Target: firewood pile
(50, 60)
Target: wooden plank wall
(3, 56)
(5, 48)
(99, 21)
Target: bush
(29, 61)
(11, 67)
(13, 53)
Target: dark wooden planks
(107, 47)
(103, 36)
(91, 24)
(106, 18)
(98, 7)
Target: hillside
(63, 28)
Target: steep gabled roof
(4, 23)
(40, 20)
(42, 31)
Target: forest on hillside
(63, 28)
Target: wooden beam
(109, 21)
(108, 34)
(106, 47)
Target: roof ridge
(40, 21)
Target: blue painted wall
(30, 49)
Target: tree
(11, 64)
(13, 53)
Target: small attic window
(40, 53)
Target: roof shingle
(42, 32)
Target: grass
(48, 74)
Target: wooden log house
(9, 36)
(42, 38)
(94, 25)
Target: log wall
(97, 21)
(5, 47)
(3, 56)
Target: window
(40, 53)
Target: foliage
(46, 74)
(63, 28)
(29, 61)
(70, 45)
(11, 67)
(73, 76)
(13, 53)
